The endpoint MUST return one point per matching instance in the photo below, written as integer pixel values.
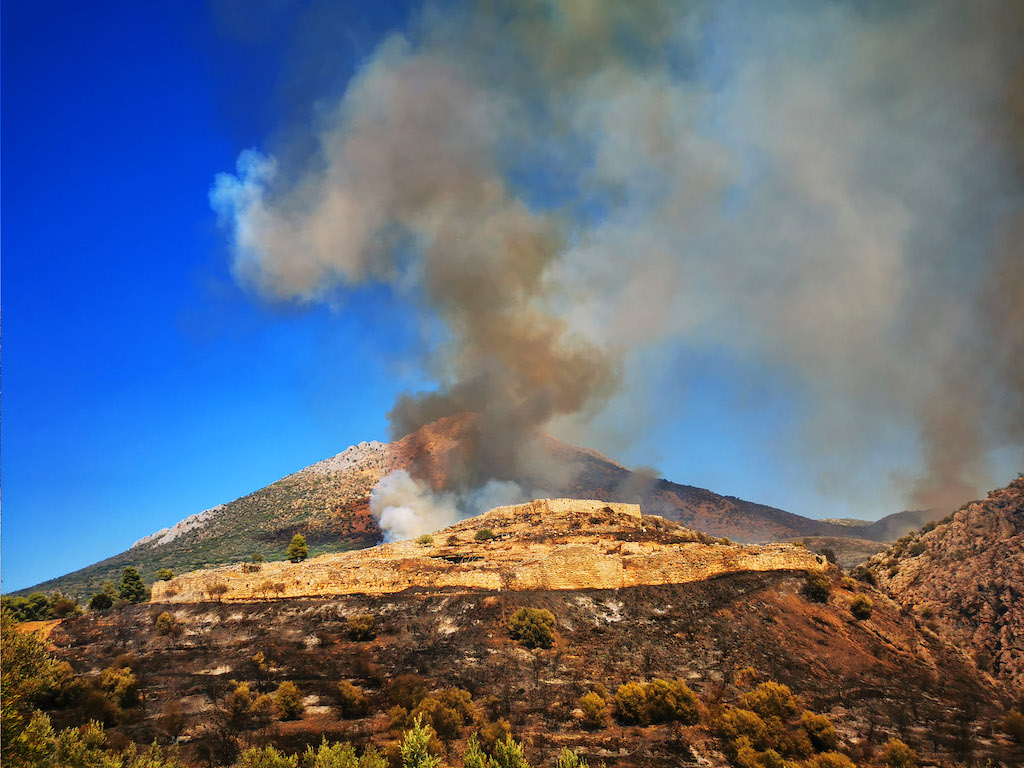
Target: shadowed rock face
(562, 544)
(966, 577)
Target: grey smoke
(830, 188)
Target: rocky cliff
(546, 544)
(964, 577)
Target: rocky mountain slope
(719, 616)
(964, 577)
(328, 502)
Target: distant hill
(328, 502)
(964, 577)
(851, 522)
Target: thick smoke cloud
(405, 507)
(830, 188)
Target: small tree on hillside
(100, 602)
(132, 589)
(533, 627)
(165, 574)
(289, 701)
(414, 749)
(297, 550)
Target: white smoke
(405, 507)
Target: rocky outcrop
(965, 576)
(548, 544)
(190, 523)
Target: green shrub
(446, 722)
(425, 540)
(361, 627)
(289, 701)
(595, 710)
(398, 719)
(351, 700)
(670, 701)
(407, 690)
(771, 699)
(631, 703)
(491, 734)
(266, 757)
(100, 602)
(830, 760)
(896, 754)
(819, 730)
(62, 607)
(164, 624)
(120, 685)
(735, 724)
(917, 548)
(817, 587)
(341, 755)
(484, 534)
(849, 583)
(165, 574)
(861, 606)
(533, 627)
(746, 756)
(460, 701)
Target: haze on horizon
(775, 253)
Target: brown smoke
(828, 189)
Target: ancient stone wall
(547, 544)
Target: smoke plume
(829, 188)
(405, 507)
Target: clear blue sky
(140, 383)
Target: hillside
(720, 616)
(543, 544)
(328, 502)
(964, 578)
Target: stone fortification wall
(545, 544)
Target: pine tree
(414, 748)
(509, 754)
(132, 588)
(297, 550)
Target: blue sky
(142, 384)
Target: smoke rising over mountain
(829, 188)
